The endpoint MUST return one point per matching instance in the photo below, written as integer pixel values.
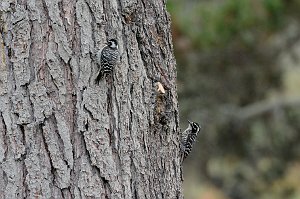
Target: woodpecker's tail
(182, 154)
(99, 77)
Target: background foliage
(239, 77)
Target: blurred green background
(238, 67)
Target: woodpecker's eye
(195, 126)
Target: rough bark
(62, 136)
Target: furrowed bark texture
(62, 136)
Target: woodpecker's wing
(105, 58)
(184, 137)
(108, 59)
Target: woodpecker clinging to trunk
(108, 58)
(188, 138)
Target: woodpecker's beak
(189, 121)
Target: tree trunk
(63, 136)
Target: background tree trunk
(62, 136)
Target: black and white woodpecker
(108, 58)
(188, 138)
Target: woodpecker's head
(195, 127)
(113, 44)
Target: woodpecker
(188, 137)
(108, 58)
